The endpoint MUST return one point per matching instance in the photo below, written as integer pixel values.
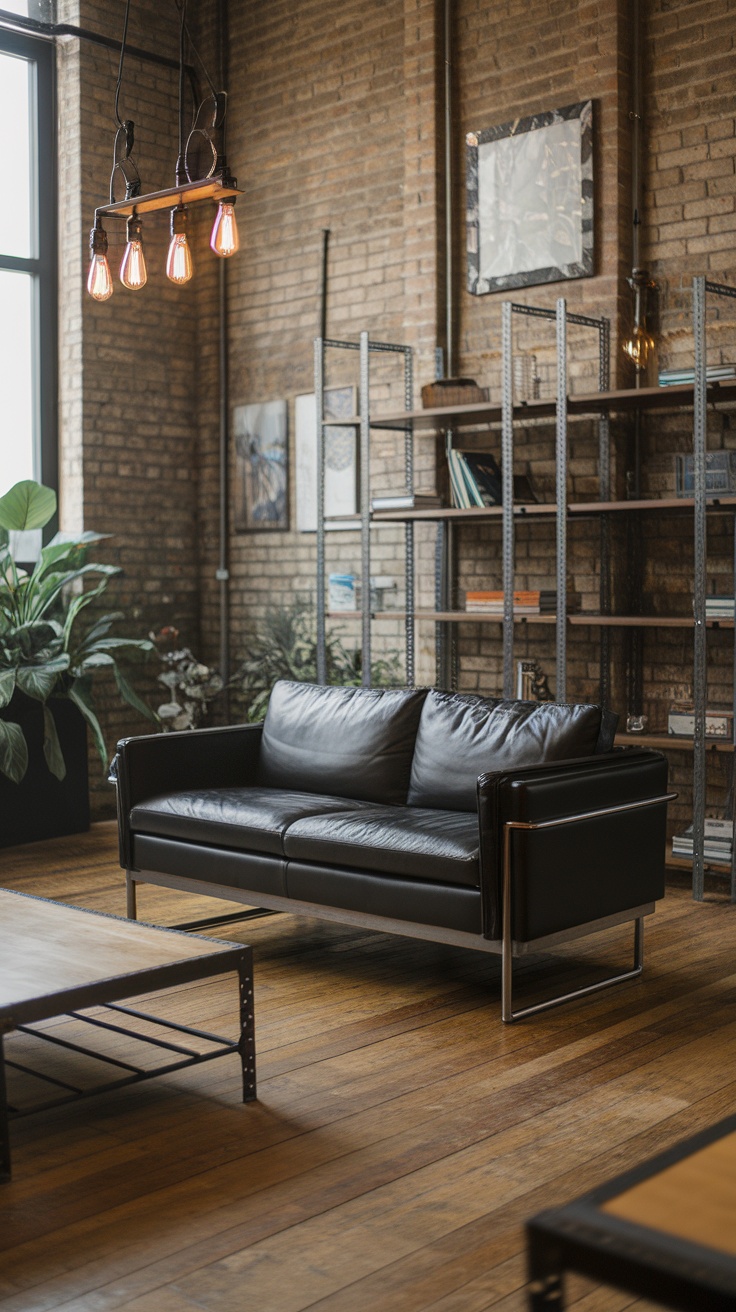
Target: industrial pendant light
(201, 175)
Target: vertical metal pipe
(636, 123)
(322, 326)
(604, 494)
(409, 526)
(700, 671)
(365, 506)
(449, 301)
(732, 798)
(223, 570)
(223, 564)
(561, 481)
(507, 496)
(319, 391)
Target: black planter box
(42, 806)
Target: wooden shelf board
(645, 621)
(586, 403)
(594, 621)
(549, 509)
(669, 742)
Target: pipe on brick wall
(223, 570)
(37, 27)
(449, 304)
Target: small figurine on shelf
(532, 683)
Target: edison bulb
(133, 272)
(99, 280)
(224, 239)
(179, 267)
(638, 348)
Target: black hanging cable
(182, 7)
(120, 65)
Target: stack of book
(719, 607)
(718, 843)
(539, 602)
(406, 501)
(716, 373)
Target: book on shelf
(406, 501)
(681, 723)
(719, 607)
(540, 601)
(476, 480)
(720, 474)
(715, 373)
(717, 841)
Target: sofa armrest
(151, 764)
(578, 872)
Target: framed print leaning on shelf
(261, 467)
(530, 200)
(341, 459)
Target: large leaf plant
(44, 650)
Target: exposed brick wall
(335, 122)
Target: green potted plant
(286, 648)
(48, 660)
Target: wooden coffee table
(664, 1231)
(56, 960)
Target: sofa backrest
(461, 736)
(347, 742)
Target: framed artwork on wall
(341, 459)
(261, 467)
(530, 200)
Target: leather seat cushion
(462, 736)
(392, 840)
(248, 819)
(355, 742)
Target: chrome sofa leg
(131, 907)
(508, 1015)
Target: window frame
(42, 264)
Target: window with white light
(27, 262)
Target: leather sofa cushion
(249, 819)
(461, 736)
(448, 905)
(354, 742)
(392, 840)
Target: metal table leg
(247, 1041)
(4, 1126)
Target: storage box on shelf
(608, 510)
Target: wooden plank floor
(402, 1134)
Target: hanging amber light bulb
(99, 280)
(179, 266)
(638, 347)
(225, 240)
(133, 272)
(640, 344)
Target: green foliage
(286, 648)
(43, 651)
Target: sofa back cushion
(351, 742)
(462, 736)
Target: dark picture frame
(530, 200)
(261, 437)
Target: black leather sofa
(503, 826)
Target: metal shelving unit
(701, 289)
(598, 404)
(364, 346)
